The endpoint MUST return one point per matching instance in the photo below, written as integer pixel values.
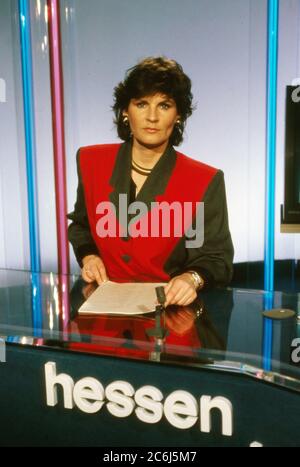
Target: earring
(178, 122)
(125, 120)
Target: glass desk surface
(223, 330)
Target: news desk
(216, 373)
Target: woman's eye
(165, 106)
(140, 105)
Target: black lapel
(121, 176)
(158, 180)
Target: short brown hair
(154, 75)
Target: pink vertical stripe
(64, 305)
(57, 97)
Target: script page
(122, 298)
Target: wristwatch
(197, 279)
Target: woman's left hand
(180, 290)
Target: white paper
(130, 298)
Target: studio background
(222, 46)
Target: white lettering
(167, 219)
(52, 380)
(225, 407)
(138, 225)
(198, 233)
(161, 219)
(88, 389)
(256, 444)
(296, 95)
(106, 225)
(295, 356)
(150, 409)
(114, 457)
(123, 214)
(119, 393)
(181, 409)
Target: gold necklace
(139, 169)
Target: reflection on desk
(223, 329)
(186, 329)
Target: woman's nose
(152, 114)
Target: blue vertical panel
(268, 332)
(268, 344)
(272, 68)
(27, 81)
(271, 142)
(36, 299)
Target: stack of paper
(122, 298)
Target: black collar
(156, 182)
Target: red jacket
(105, 173)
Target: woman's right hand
(93, 269)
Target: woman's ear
(125, 119)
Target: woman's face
(152, 119)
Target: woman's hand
(93, 269)
(88, 289)
(180, 290)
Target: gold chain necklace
(139, 169)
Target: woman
(151, 107)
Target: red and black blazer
(104, 173)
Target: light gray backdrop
(221, 44)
